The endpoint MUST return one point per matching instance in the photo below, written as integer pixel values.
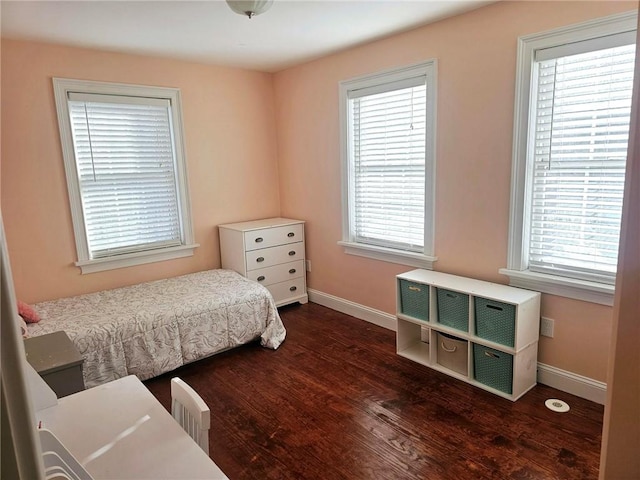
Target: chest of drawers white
(269, 251)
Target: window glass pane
(581, 133)
(126, 169)
(388, 134)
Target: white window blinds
(581, 132)
(127, 175)
(387, 141)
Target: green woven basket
(493, 368)
(414, 299)
(453, 309)
(495, 321)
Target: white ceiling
(207, 31)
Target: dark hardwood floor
(336, 402)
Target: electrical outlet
(308, 265)
(546, 326)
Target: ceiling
(207, 31)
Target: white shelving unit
(497, 324)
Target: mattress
(152, 328)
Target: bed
(152, 328)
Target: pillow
(28, 313)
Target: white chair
(59, 463)
(190, 411)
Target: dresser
(269, 251)
(57, 361)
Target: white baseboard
(371, 315)
(572, 383)
(563, 380)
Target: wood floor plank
(336, 402)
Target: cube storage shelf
(483, 333)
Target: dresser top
(259, 224)
(51, 352)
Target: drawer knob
(293, 270)
(260, 259)
(414, 289)
(292, 253)
(261, 278)
(259, 239)
(293, 289)
(291, 234)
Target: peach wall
(476, 55)
(230, 138)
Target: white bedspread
(155, 327)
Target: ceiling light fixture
(248, 7)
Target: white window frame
(62, 87)
(516, 270)
(425, 259)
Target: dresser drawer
(285, 290)
(65, 381)
(269, 237)
(268, 257)
(277, 273)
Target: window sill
(389, 255)
(137, 258)
(562, 286)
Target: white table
(120, 431)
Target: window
(388, 133)
(570, 152)
(126, 175)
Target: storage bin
(493, 368)
(453, 353)
(414, 299)
(453, 309)
(424, 334)
(495, 321)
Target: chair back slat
(191, 412)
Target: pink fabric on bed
(28, 313)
